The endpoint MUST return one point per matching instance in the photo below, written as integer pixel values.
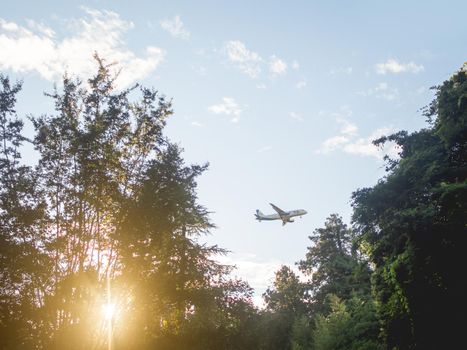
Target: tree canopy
(415, 221)
(107, 220)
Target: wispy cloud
(362, 146)
(301, 84)
(175, 27)
(347, 128)
(298, 117)
(248, 62)
(365, 146)
(422, 90)
(258, 273)
(344, 112)
(382, 90)
(342, 70)
(393, 66)
(332, 144)
(197, 124)
(40, 28)
(200, 70)
(252, 63)
(277, 66)
(295, 65)
(349, 141)
(264, 149)
(229, 107)
(36, 48)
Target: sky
(281, 98)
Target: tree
(92, 154)
(301, 337)
(287, 294)
(328, 333)
(285, 302)
(334, 264)
(334, 309)
(108, 220)
(342, 310)
(350, 325)
(177, 278)
(23, 262)
(414, 223)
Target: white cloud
(197, 124)
(393, 66)
(348, 140)
(9, 26)
(175, 28)
(332, 144)
(421, 90)
(200, 52)
(362, 146)
(228, 106)
(41, 28)
(365, 146)
(37, 50)
(261, 86)
(200, 70)
(264, 149)
(382, 90)
(343, 70)
(247, 61)
(277, 66)
(344, 112)
(347, 128)
(301, 84)
(252, 64)
(259, 274)
(296, 116)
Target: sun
(108, 310)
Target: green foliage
(301, 338)
(285, 302)
(334, 309)
(23, 263)
(109, 215)
(288, 293)
(334, 264)
(414, 221)
(349, 326)
(328, 333)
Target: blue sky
(282, 98)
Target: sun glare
(108, 311)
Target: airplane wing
(279, 210)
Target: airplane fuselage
(285, 217)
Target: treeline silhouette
(100, 249)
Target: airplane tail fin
(258, 214)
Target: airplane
(285, 216)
